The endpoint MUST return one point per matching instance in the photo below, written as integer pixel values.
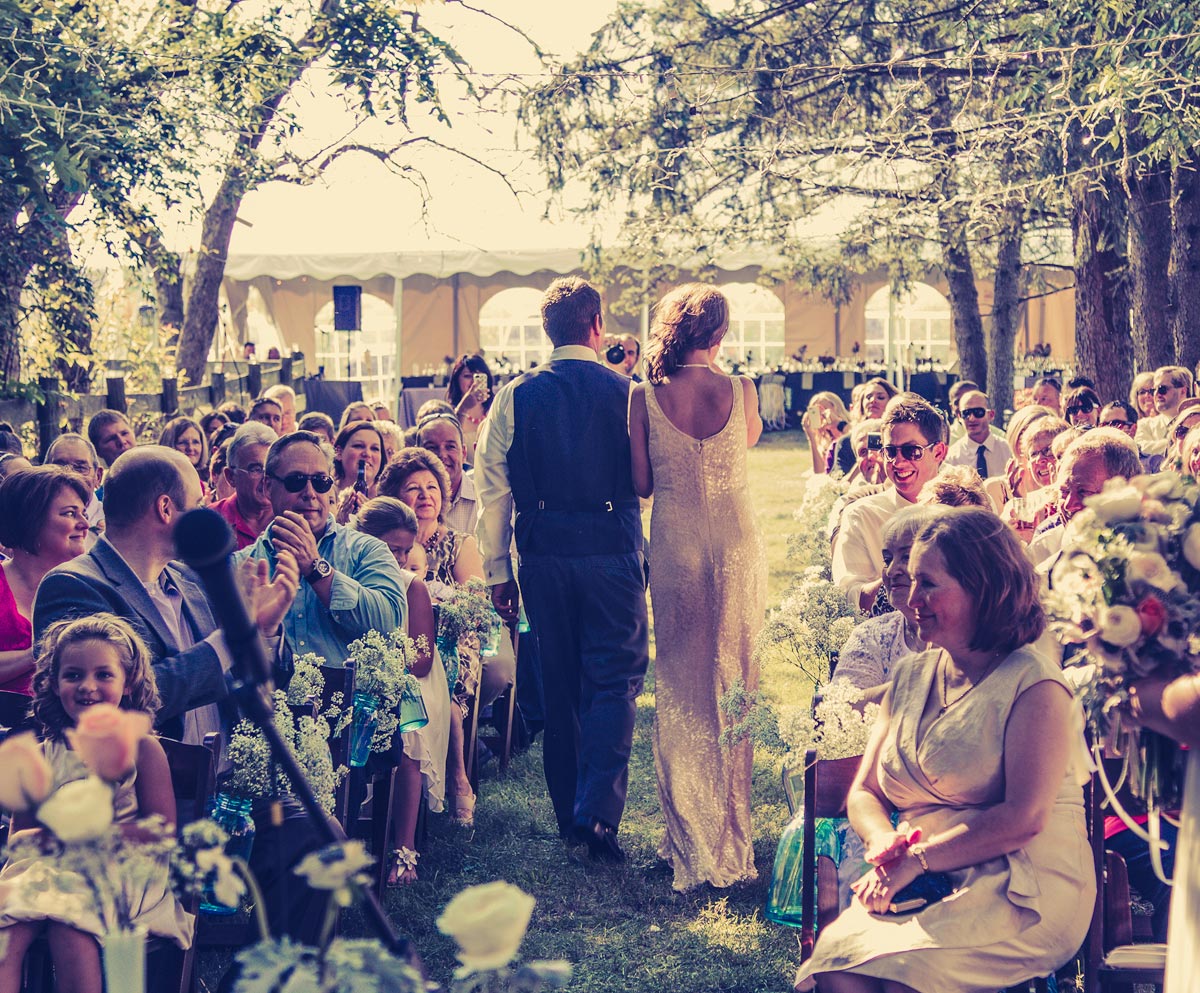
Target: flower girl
(95, 766)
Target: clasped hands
(268, 597)
(894, 868)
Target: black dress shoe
(601, 840)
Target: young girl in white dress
(97, 659)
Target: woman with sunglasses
(1081, 406)
(1187, 417)
(1038, 464)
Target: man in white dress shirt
(979, 448)
(914, 446)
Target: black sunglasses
(1165, 389)
(1115, 424)
(294, 482)
(1083, 407)
(911, 453)
(973, 412)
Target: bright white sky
(360, 207)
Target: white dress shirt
(494, 532)
(463, 512)
(996, 453)
(858, 547)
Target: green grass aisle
(624, 928)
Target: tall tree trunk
(964, 297)
(1006, 309)
(1183, 270)
(168, 274)
(1149, 252)
(200, 319)
(1103, 349)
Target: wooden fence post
(49, 413)
(254, 380)
(216, 388)
(170, 396)
(116, 394)
(285, 371)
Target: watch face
(321, 568)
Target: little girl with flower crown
(93, 694)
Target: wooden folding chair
(1111, 960)
(826, 785)
(501, 742)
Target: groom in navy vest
(556, 446)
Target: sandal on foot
(464, 809)
(402, 870)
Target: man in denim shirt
(350, 583)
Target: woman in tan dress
(972, 747)
(690, 427)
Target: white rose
(1120, 626)
(1191, 546)
(487, 923)
(1163, 486)
(79, 811)
(1151, 568)
(1118, 501)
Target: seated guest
(955, 486)
(913, 449)
(1141, 398)
(1190, 459)
(319, 424)
(248, 510)
(1124, 417)
(268, 411)
(979, 448)
(393, 438)
(972, 748)
(1037, 462)
(356, 412)
(43, 524)
(1186, 418)
(221, 488)
(358, 444)
(110, 433)
(1048, 393)
(10, 443)
(417, 478)
(1087, 464)
(350, 583)
(1081, 407)
(10, 463)
(423, 756)
(75, 452)
(285, 396)
(233, 412)
(1172, 386)
(381, 410)
(211, 423)
(1015, 480)
(442, 435)
(185, 435)
(825, 420)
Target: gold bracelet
(919, 852)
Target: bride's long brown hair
(689, 317)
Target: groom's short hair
(569, 306)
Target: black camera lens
(615, 354)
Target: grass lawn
(624, 928)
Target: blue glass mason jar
(413, 714)
(362, 728)
(232, 813)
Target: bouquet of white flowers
(809, 625)
(834, 727)
(382, 672)
(1125, 603)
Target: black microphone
(205, 542)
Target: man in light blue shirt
(350, 583)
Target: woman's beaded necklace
(947, 703)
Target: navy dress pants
(588, 614)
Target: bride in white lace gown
(690, 427)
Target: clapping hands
(268, 599)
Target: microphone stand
(253, 703)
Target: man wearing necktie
(980, 448)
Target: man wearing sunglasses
(1124, 417)
(914, 446)
(350, 583)
(979, 449)
(1172, 385)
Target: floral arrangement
(1125, 603)
(835, 727)
(81, 836)
(465, 610)
(303, 728)
(810, 546)
(810, 624)
(383, 670)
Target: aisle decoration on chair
(81, 837)
(307, 734)
(1125, 603)
(464, 617)
(387, 696)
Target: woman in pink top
(42, 525)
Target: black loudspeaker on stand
(206, 543)
(347, 308)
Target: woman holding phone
(470, 391)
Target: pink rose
(1152, 614)
(106, 738)
(25, 775)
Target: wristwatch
(321, 569)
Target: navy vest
(568, 464)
